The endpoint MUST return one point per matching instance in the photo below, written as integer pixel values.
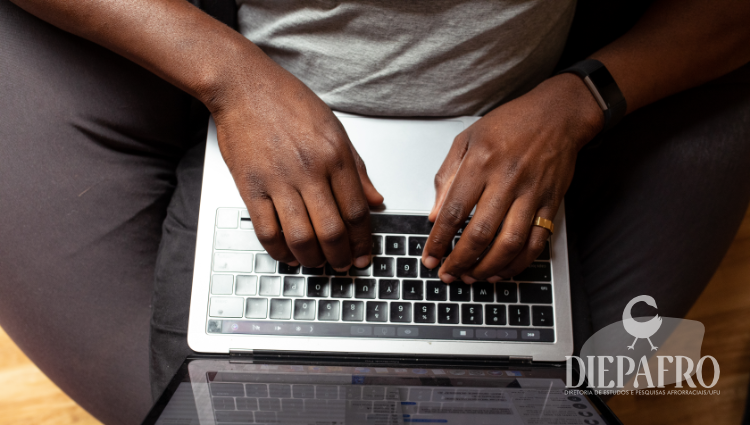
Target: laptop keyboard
(359, 404)
(395, 296)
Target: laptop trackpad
(402, 157)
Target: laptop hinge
(521, 359)
(240, 352)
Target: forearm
(678, 44)
(171, 38)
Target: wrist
(238, 73)
(582, 114)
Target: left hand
(514, 164)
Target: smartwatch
(604, 89)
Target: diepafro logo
(669, 353)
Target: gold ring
(544, 223)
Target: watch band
(604, 89)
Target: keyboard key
(388, 289)
(495, 314)
(365, 271)
(416, 246)
(256, 390)
(225, 307)
(303, 310)
(327, 391)
(424, 313)
(247, 404)
(395, 245)
(233, 262)
(294, 286)
(382, 267)
(316, 271)
(507, 292)
(364, 288)
(287, 269)
(328, 310)
(270, 286)
(518, 315)
(460, 291)
(222, 284)
(437, 290)
(256, 308)
(535, 293)
(542, 316)
(426, 273)
(246, 285)
(471, 314)
(401, 312)
(376, 311)
(354, 311)
(318, 287)
(545, 254)
(413, 290)
(281, 309)
(537, 272)
(303, 391)
(279, 391)
(237, 240)
(483, 292)
(264, 264)
(223, 403)
(406, 267)
(447, 313)
(331, 272)
(227, 219)
(269, 404)
(350, 392)
(377, 245)
(341, 287)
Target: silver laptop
(245, 303)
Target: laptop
(249, 312)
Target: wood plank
(722, 308)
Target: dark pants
(100, 172)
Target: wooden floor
(28, 397)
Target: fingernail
(494, 279)
(321, 265)
(468, 279)
(342, 269)
(293, 263)
(431, 262)
(447, 278)
(362, 261)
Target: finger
(328, 225)
(268, 231)
(353, 209)
(538, 238)
(298, 232)
(511, 239)
(459, 202)
(479, 233)
(374, 198)
(447, 172)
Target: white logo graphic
(640, 330)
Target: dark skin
(291, 158)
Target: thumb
(374, 198)
(447, 172)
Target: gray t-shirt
(412, 57)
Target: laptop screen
(220, 391)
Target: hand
(292, 160)
(514, 164)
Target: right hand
(297, 170)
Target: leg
(653, 209)
(90, 142)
